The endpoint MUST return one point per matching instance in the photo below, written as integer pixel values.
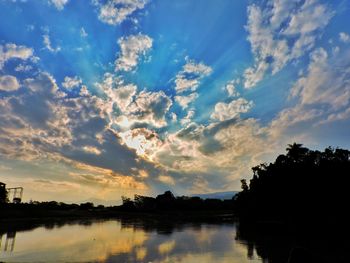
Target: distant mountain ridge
(218, 195)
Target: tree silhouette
(302, 185)
(3, 193)
(168, 202)
(295, 152)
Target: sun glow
(142, 140)
(137, 142)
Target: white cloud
(83, 32)
(165, 179)
(254, 75)
(48, 46)
(92, 150)
(282, 33)
(12, 51)
(120, 96)
(230, 88)
(114, 12)
(173, 117)
(182, 154)
(310, 17)
(196, 68)
(322, 94)
(123, 96)
(327, 80)
(59, 4)
(302, 45)
(340, 116)
(127, 107)
(344, 37)
(215, 154)
(28, 119)
(131, 48)
(226, 111)
(23, 68)
(84, 91)
(183, 84)
(242, 145)
(188, 118)
(280, 10)
(71, 82)
(191, 74)
(8, 83)
(151, 107)
(184, 101)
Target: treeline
(168, 202)
(165, 203)
(53, 210)
(300, 186)
(52, 205)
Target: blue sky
(106, 98)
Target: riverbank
(21, 213)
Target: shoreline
(110, 213)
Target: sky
(103, 98)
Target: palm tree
(296, 151)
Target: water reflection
(9, 239)
(127, 240)
(276, 243)
(157, 240)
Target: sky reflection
(115, 241)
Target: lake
(125, 240)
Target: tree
(87, 205)
(3, 193)
(144, 202)
(296, 151)
(166, 201)
(128, 204)
(244, 185)
(303, 185)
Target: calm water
(125, 241)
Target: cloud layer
(282, 33)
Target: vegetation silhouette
(277, 244)
(163, 205)
(296, 208)
(3, 193)
(167, 202)
(301, 185)
(52, 210)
